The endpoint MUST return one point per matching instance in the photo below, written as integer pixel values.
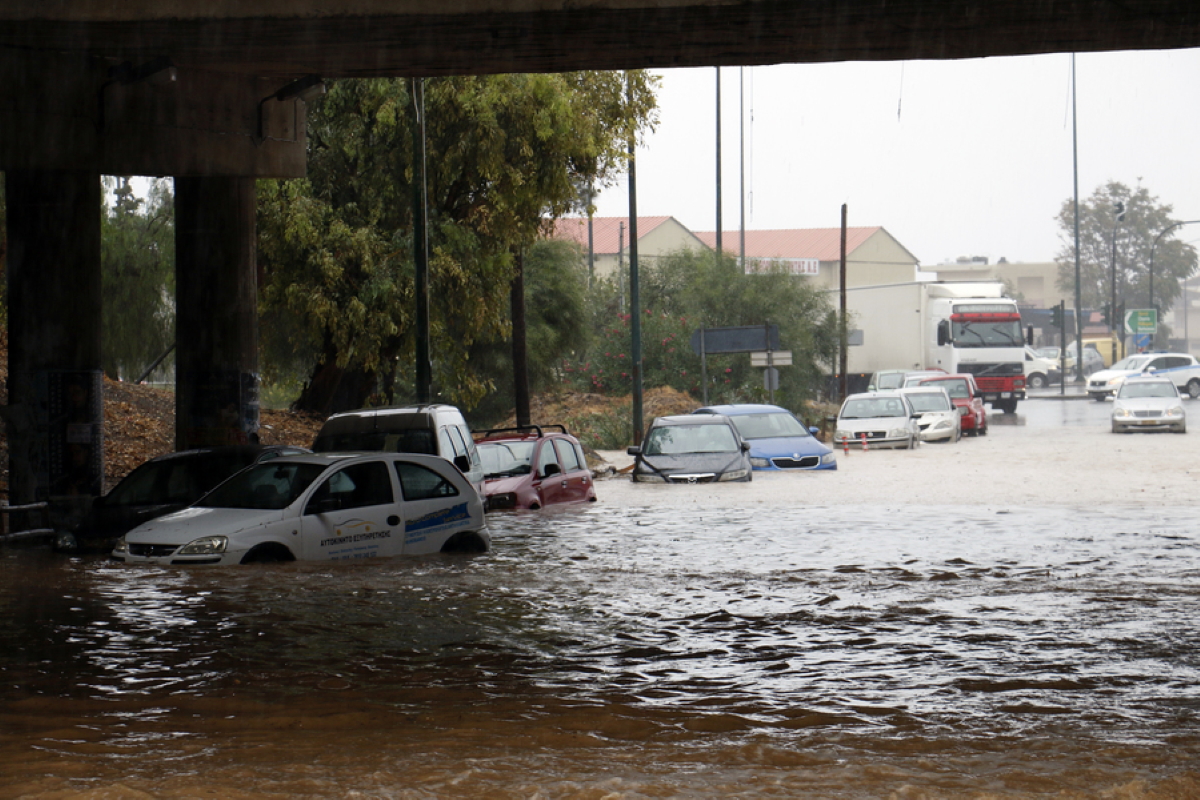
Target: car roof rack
(519, 429)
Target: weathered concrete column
(55, 409)
(216, 322)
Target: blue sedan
(777, 439)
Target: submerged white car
(937, 416)
(320, 507)
(1148, 404)
(884, 419)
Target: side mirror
(551, 469)
(322, 505)
(746, 447)
(463, 463)
(633, 450)
(943, 333)
(814, 430)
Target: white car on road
(1148, 404)
(1182, 369)
(937, 416)
(320, 507)
(882, 419)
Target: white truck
(960, 327)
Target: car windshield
(175, 480)
(955, 387)
(704, 437)
(768, 425)
(1048, 352)
(872, 407)
(890, 381)
(1133, 362)
(1001, 333)
(412, 440)
(929, 401)
(1150, 389)
(506, 459)
(271, 485)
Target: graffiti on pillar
(224, 409)
(71, 406)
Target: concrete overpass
(210, 93)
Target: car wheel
(1036, 381)
(1193, 388)
(268, 553)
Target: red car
(964, 393)
(529, 467)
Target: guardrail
(6, 509)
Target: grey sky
(954, 158)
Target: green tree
(1131, 239)
(684, 291)
(137, 263)
(504, 153)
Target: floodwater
(656, 649)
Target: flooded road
(656, 644)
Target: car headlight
(120, 547)
(828, 458)
(1176, 411)
(734, 475)
(898, 433)
(648, 477)
(1122, 412)
(1115, 381)
(841, 434)
(942, 424)
(760, 462)
(204, 546)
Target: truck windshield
(987, 333)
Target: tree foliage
(1132, 239)
(137, 264)
(504, 152)
(685, 291)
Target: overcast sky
(954, 158)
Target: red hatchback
(532, 468)
(964, 393)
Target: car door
(433, 506)
(352, 514)
(549, 480)
(576, 476)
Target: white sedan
(1148, 404)
(320, 507)
(937, 416)
(882, 419)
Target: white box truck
(961, 327)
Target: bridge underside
(193, 90)
(359, 38)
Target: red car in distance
(964, 393)
(533, 467)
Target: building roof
(606, 231)
(823, 244)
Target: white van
(433, 429)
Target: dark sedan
(159, 486)
(692, 448)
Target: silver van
(434, 429)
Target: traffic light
(1106, 315)
(1056, 316)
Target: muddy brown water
(651, 645)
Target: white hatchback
(320, 507)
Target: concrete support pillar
(216, 291)
(55, 409)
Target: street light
(1119, 217)
(1162, 233)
